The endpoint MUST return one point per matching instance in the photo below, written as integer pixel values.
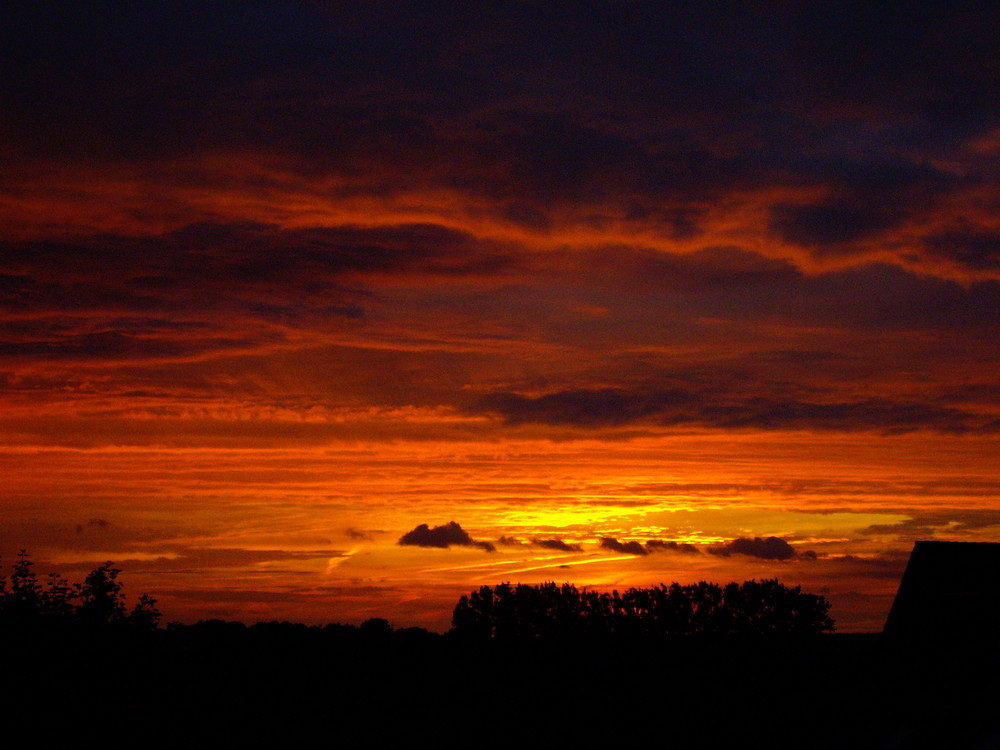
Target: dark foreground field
(223, 685)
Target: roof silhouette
(948, 589)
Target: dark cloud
(207, 275)
(443, 536)
(612, 407)
(885, 297)
(865, 415)
(606, 406)
(771, 548)
(634, 103)
(866, 199)
(887, 566)
(526, 216)
(626, 548)
(653, 545)
(973, 247)
(353, 533)
(831, 223)
(659, 545)
(557, 544)
(215, 289)
(937, 524)
(117, 345)
(248, 255)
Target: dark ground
(280, 685)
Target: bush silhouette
(548, 610)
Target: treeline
(505, 612)
(287, 684)
(548, 610)
(28, 602)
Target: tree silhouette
(23, 602)
(97, 602)
(100, 596)
(144, 615)
(547, 610)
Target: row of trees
(98, 602)
(505, 611)
(548, 610)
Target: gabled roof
(948, 589)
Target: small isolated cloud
(442, 537)
(353, 533)
(510, 541)
(771, 548)
(557, 544)
(627, 548)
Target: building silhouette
(948, 590)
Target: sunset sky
(620, 289)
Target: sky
(329, 311)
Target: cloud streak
(614, 407)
